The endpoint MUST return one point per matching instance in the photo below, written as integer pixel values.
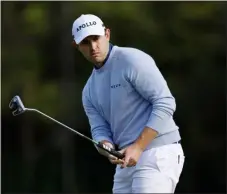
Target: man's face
(95, 48)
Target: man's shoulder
(130, 53)
(87, 85)
(128, 50)
(130, 57)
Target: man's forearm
(145, 138)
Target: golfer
(129, 107)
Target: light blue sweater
(127, 94)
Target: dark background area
(38, 63)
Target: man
(129, 105)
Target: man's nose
(93, 45)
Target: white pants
(157, 171)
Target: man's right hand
(112, 159)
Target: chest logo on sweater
(115, 85)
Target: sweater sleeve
(100, 129)
(148, 81)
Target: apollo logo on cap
(86, 25)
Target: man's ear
(74, 44)
(107, 33)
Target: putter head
(16, 106)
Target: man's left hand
(132, 155)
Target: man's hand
(112, 159)
(132, 155)
(115, 160)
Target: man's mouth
(94, 54)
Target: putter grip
(111, 151)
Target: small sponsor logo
(115, 86)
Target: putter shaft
(99, 144)
(17, 107)
(78, 133)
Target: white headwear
(87, 25)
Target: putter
(17, 108)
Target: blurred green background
(187, 41)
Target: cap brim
(93, 32)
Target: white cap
(87, 25)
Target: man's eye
(85, 42)
(95, 38)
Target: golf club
(17, 107)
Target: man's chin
(96, 60)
